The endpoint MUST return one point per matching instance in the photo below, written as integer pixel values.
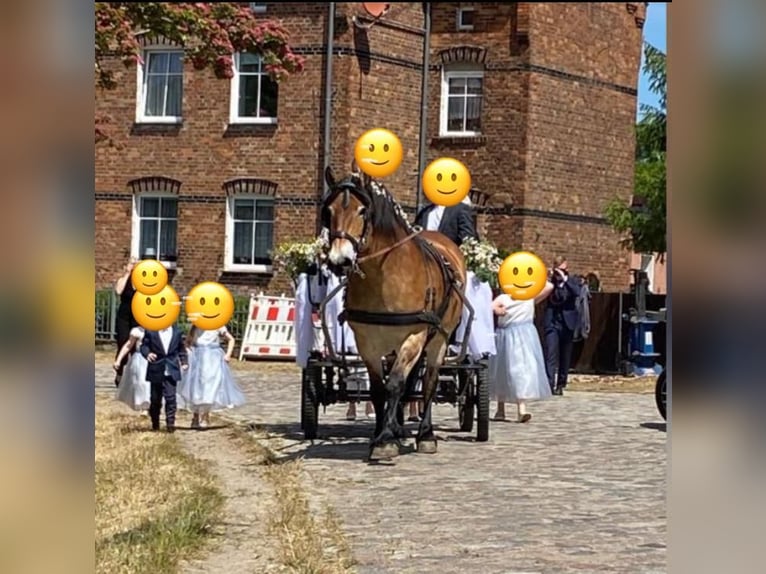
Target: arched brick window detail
(155, 218)
(250, 218)
(464, 54)
(146, 40)
(155, 183)
(250, 185)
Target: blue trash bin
(642, 351)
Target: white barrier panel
(270, 332)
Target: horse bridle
(348, 188)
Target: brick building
(538, 100)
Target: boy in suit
(166, 354)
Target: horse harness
(430, 315)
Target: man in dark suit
(560, 320)
(166, 354)
(456, 221)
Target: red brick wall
(549, 143)
(205, 152)
(552, 140)
(383, 94)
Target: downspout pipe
(326, 153)
(423, 104)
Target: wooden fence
(606, 346)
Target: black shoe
(558, 391)
(171, 429)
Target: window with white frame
(249, 233)
(461, 102)
(258, 7)
(254, 95)
(160, 86)
(155, 226)
(465, 18)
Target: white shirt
(166, 335)
(435, 218)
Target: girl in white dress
(134, 389)
(208, 383)
(517, 372)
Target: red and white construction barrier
(270, 332)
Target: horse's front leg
(387, 441)
(425, 439)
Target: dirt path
(243, 543)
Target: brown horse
(403, 298)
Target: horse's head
(345, 213)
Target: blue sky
(655, 32)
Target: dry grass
(612, 384)
(155, 504)
(307, 545)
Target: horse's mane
(386, 215)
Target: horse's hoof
(384, 451)
(427, 446)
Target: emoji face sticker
(158, 311)
(209, 305)
(378, 152)
(446, 181)
(522, 275)
(149, 276)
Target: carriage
(333, 376)
(405, 301)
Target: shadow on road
(656, 426)
(345, 441)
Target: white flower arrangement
(298, 257)
(483, 259)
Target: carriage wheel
(312, 381)
(466, 408)
(482, 403)
(661, 395)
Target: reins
(390, 248)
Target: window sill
(252, 269)
(158, 121)
(252, 121)
(460, 139)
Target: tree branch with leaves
(210, 33)
(644, 224)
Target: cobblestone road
(581, 488)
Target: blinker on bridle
(348, 189)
